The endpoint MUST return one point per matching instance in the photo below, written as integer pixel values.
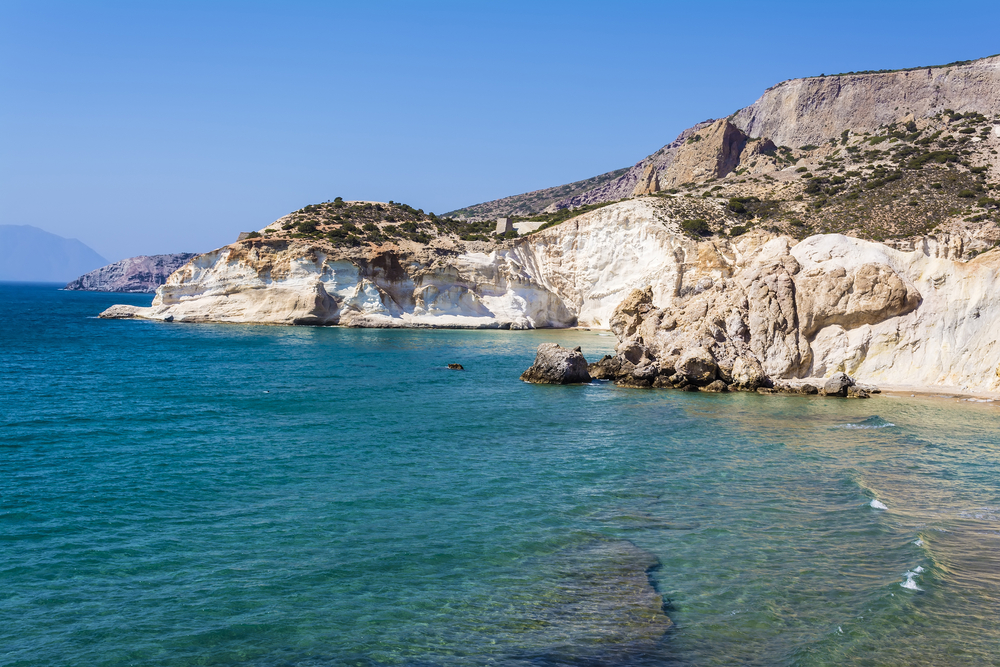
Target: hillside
(136, 274)
(878, 155)
(533, 202)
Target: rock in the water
(715, 387)
(119, 312)
(748, 374)
(606, 368)
(697, 366)
(456, 367)
(838, 384)
(857, 392)
(557, 365)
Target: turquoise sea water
(227, 495)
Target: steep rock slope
(797, 120)
(814, 110)
(824, 305)
(136, 274)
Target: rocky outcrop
(826, 307)
(557, 365)
(136, 274)
(576, 273)
(649, 182)
(712, 152)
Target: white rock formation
(577, 272)
(827, 304)
(830, 304)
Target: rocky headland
(731, 261)
(136, 274)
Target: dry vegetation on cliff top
(906, 180)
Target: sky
(154, 127)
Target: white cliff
(825, 305)
(793, 309)
(575, 273)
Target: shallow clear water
(216, 495)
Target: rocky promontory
(136, 274)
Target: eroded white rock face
(575, 273)
(951, 338)
(834, 304)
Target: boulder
(557, 365)
(697, 366)
(748, 374)
(857, 392)
(837, 385)
(456, 367)
(120, 312)
(716, 387)
(606, 368)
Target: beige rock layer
(831, 304)
(810, 111)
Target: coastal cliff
(735, 252)
(136, 274)
(827, 304)
(574, 273)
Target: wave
(872, 422)
(875, 504)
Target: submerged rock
(557, 365)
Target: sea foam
(875, 504)
(910, 575)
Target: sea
(195, 494)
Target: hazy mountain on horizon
(30, 254)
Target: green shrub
(253, 235)
(738, 230)
(801, 170)
(697, 227)
(966, 194)
(808, 147)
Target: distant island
(30, 254)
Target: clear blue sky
(149, 127)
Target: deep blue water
(223, 495)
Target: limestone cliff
(136, 274)
(709, 309)
(825, 305)
(575, 273)
(816, 109)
